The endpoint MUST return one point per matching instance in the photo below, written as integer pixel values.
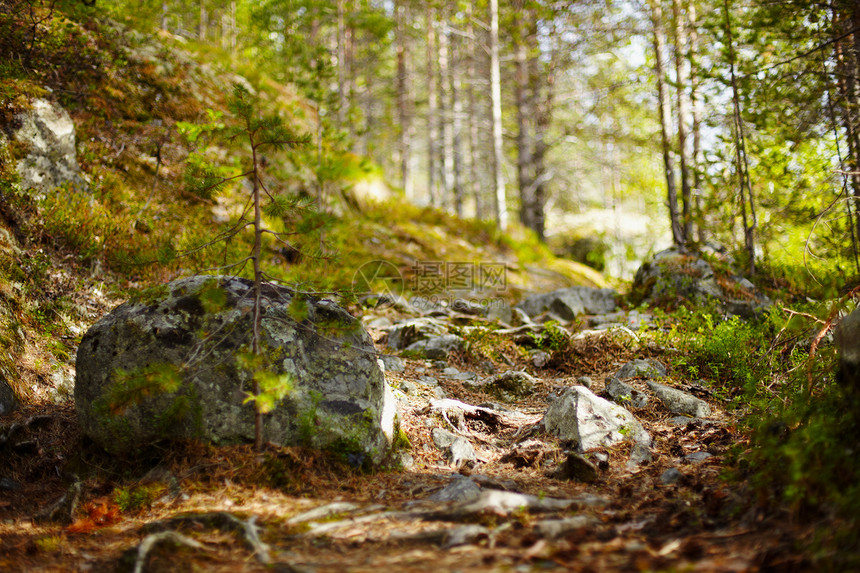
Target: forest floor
(630, 518)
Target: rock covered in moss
(176, 363)
(673, 277)
(47, 131)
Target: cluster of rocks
(673, 276)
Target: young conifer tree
(259, 133)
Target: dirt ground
(630, 518)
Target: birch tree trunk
(445, 116)
(432, 112)
(404, 97)
(665, 121)
(501, 209)
(473, 156)
(456, 123)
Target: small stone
(642, 369)
(585, 381)
(462, 453)
(428, 381)
(510, 385)
(442, 438)
(540, 358)
(625, 394)
(679, 402)
(639, 455)
(393, 363)
(680, 421)
(462, 489)
(465, 376)
(670, 476)
(9, 484)
(450, 371)
(409, 388)
(697, 457)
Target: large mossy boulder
(175, 362)
(674, 278)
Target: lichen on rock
(173, 363)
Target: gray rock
(8, 484)
(625, 394)
(639, 368)
(201, 385)
(8, 401)
(697, 457)
(670, 476)
(407, 462)
(585, 381)
(555, 528)
(462, 453)
(407, 332)
(462, 489)
(679, 402)
(442, 438)
(671, 276)
(568, 303)
(510, 386)
(408, 387)
(681, 420)
(48, 133)
(589, 421)
(539, 358)
(437, 347)
(465, 376)
(640, 454)
(427, 381)
(393, 363)
(450, 371)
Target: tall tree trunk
(404, 97)
(445, 114)
(696, 101)
(746, 193)
(341, 64)
(681, 90)
(543, 118)
(665, 122)
(525, 115)
(456, 122)
(501, 207)
(432, 111)
(203, 23)
(474, 136)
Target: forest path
(514, 508)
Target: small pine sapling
(259, 133)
